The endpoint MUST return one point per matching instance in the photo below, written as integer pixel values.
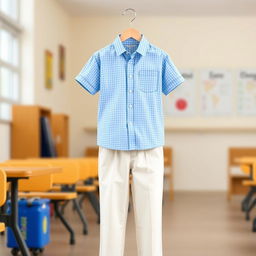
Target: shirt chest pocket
(148, 80)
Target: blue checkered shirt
(130, 75)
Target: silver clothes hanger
(130, 32)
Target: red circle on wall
(181, 104)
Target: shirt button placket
(130, 103)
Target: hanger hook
(134, 12)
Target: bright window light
(9, 57)
(9, 8)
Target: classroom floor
(194, 224)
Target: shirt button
(130, 105)
(130, 123)
(130, 91)
(130, 76)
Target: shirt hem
(113, 148)
(86, 85)
(174, 84)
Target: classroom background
(210, 120)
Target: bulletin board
(211, 100)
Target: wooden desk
(250, 161)
(13, 175)
(27, 172)
(245, 160)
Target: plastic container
(34, 223)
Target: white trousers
(147, 169)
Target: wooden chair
(3, 188)
(247, 203)
(88, 168)
(91, 151)
(66, 182)
(235, 175)
(168, 163)
(94, 152)
(89, 174)
(40, 187)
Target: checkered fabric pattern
(131, 77)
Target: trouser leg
(113, 171)
(147, 193)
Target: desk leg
(251, 171)
(14, 219)
(254, 225)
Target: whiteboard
(216, 99)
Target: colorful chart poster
(246, 93)
(216, 92)
(48, 59)
(62, 62)
(181, 101)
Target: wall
(52, 27)
(193, 42)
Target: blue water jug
(34, 223)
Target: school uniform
(131, 77)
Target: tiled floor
(194, 224)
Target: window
(9, 57)
(10, 8)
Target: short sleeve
(89, 76)
(171, 77)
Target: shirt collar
(142, 48)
